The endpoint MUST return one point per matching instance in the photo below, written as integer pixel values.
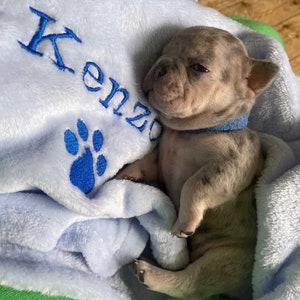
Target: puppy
(204, 78)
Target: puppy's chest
(181, 155)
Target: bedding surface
(72, 114)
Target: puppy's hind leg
(173, 283)
(221, 270)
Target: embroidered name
(39, 37)
(93, 78)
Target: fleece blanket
(72, 114)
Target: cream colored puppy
(204, 78)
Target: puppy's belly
(207, 246)
(175, 173)
(232, 224)
(203, 242)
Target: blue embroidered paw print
(83, 169)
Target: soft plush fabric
(73, 114)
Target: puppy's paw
(129, 173)
(183, 230)
(144, 272)
(153, 277)
(182, 234)
(126, 177)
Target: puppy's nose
(160, 71)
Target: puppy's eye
(199, 68)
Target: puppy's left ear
(261, 74)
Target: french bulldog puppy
(205, 78)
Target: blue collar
(234, 124)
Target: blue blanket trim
(234, 124)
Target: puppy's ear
(261, 74)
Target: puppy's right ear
(261, 74)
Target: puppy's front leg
(145, 169)
(214, 184)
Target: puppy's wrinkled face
(202, 70)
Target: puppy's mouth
(166, 90)
(146, 93)
(167, 109)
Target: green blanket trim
(7, 293)
(260, 27)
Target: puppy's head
(203, 78)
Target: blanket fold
(278, 200)
(72, 114)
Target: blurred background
(283, 15)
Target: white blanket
(72, 114)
